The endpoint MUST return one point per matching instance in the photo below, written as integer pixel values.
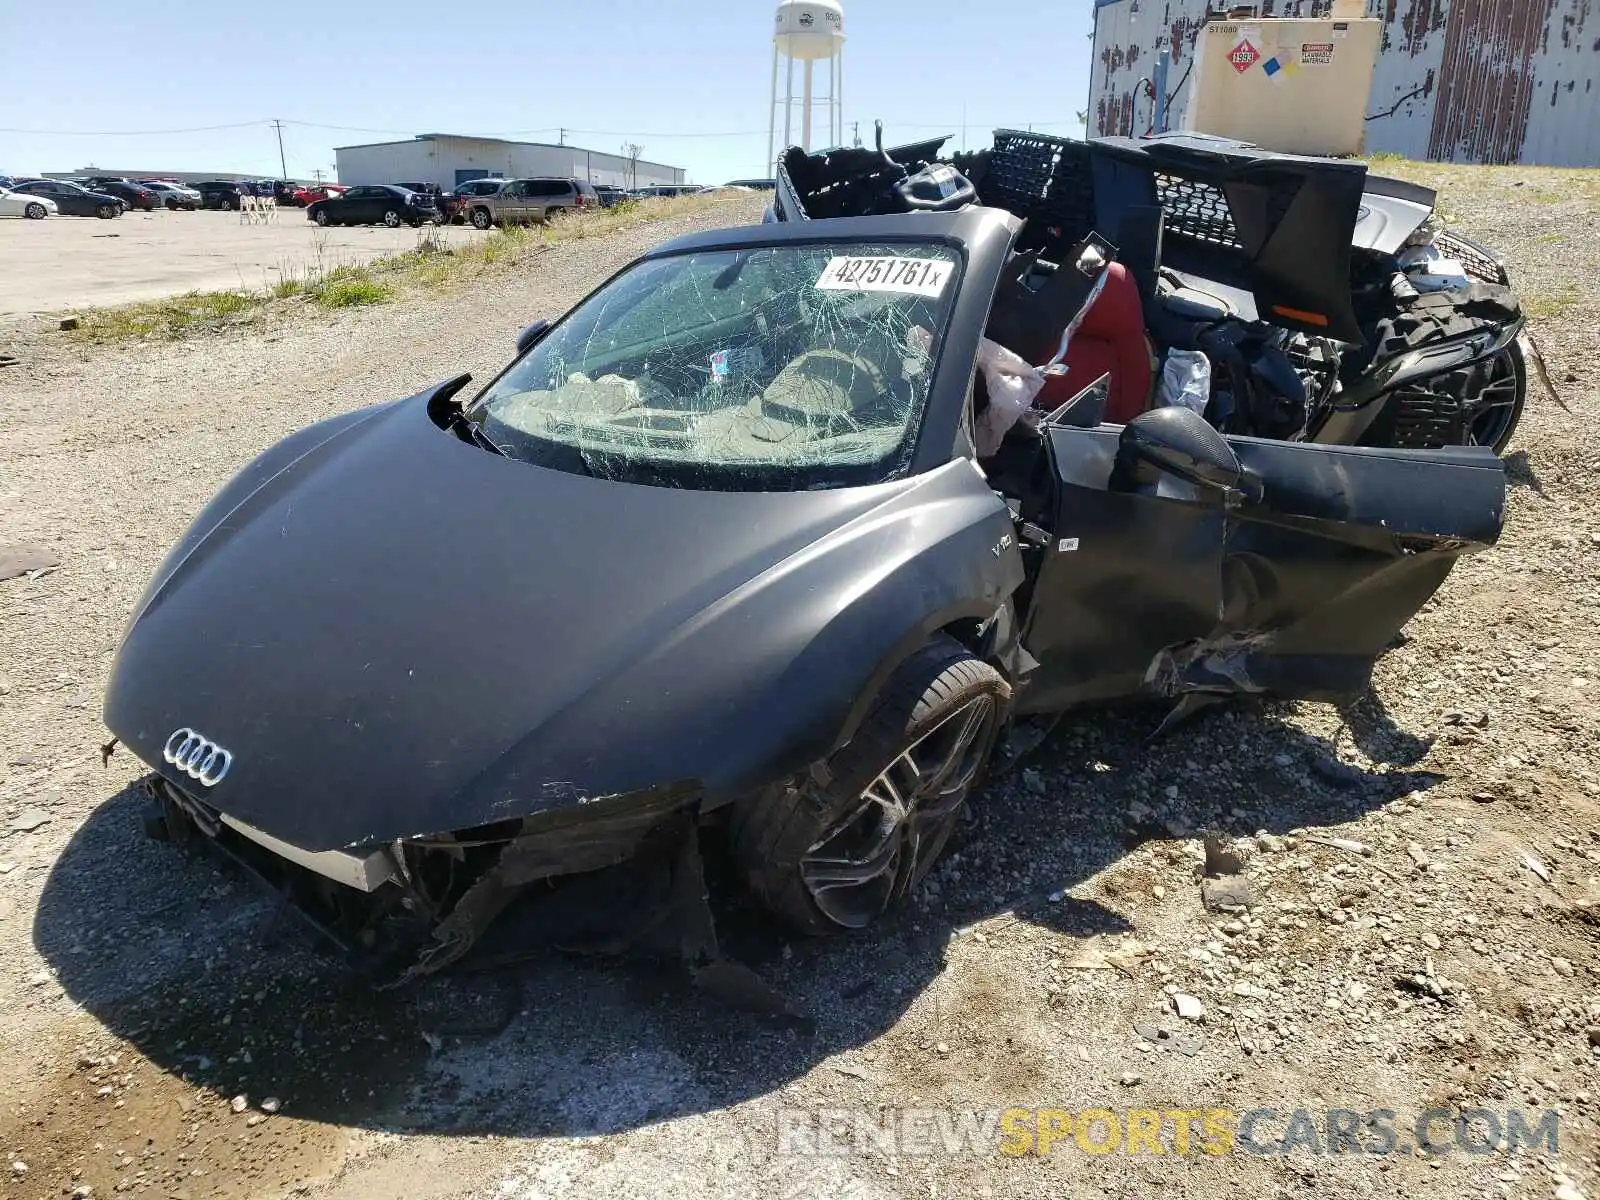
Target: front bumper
(415, 905)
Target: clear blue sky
(611, 71)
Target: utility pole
(855, 127)
(561, 140)
(282, 164)
(630, 151)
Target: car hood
(394, 632)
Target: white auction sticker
(912, 276)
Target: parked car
(173, 195)
(220, 193)
(375, 204)
(442, 200)
(72, 199)
(283, 191)
(846, 611)
(610, 195)
(20, 204)
(133, 195)
(457, 203)
(755, 185)
(305, 197)
(658, 190)
(525, 201)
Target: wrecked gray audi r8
(715, 548)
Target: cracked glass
(770, 368)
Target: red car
(307, 196)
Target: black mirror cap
(531, 335)
(1179, 441)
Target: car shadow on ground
(204, 974)
(1520, 472)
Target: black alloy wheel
(836, 855)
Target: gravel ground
(1423, 866)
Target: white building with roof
(447, 159)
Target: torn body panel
(1172, 588)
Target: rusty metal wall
(1128, 34)
(1491, 81)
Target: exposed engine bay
(1281, 296)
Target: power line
(276, 124)
(132, 132)
(352, 128)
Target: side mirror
(531, 334)
(1175, 441)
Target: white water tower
(807, 32)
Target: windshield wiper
(473, 432)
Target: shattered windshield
(773, 368)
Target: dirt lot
(62, 262)
(1442, 954)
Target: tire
(230, 205)
(108, 211)
(34, 212)
(835, 856)
(481, 218)
(320, 217)
(393, 219)
(1506, 373)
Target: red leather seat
(1112, 340)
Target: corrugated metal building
(1491, 81)
(448, 159)
(169, 176)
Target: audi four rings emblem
(197, 756)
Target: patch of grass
(505, 244)
(1551, 307)
(170, 318)
(432, 267)
(351, 291)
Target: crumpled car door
(1123, 576)
(1346, 545)
(1293, 594)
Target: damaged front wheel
(834, 856)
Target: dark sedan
(375, 204)
(220, 193)
(73, 199)
(132, 195)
